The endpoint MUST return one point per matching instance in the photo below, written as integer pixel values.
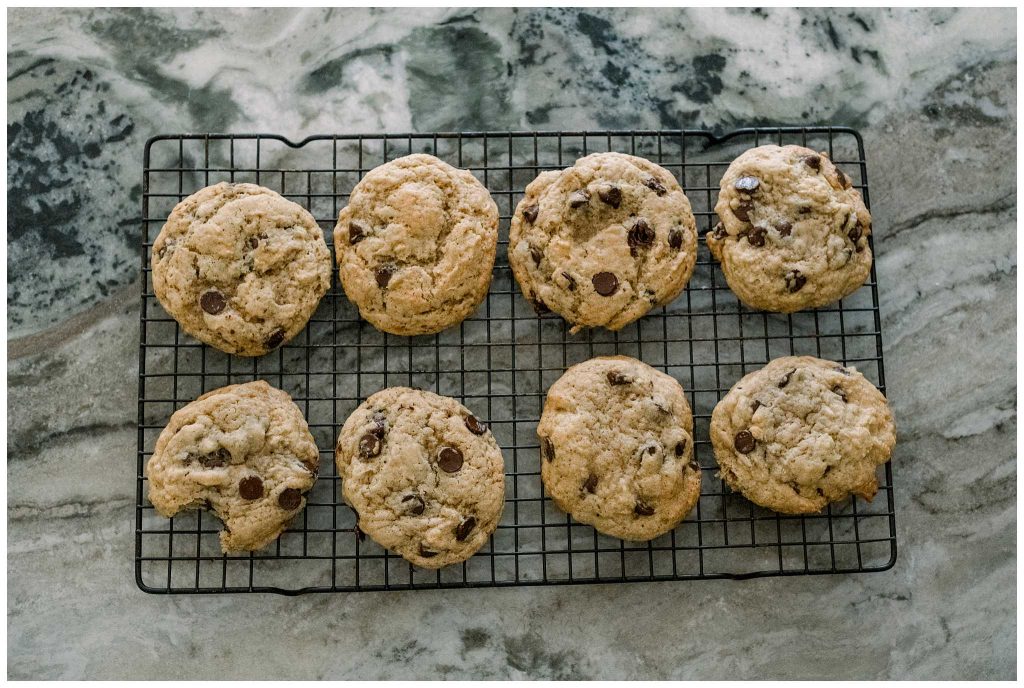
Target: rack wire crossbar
(499, 363)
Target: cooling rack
(499, 363)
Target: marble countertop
(933, 93)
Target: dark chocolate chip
(784, 227)
(536, 254)
(539, 306)
(821, 492)
(590, 484)
(813, 161)
(785, 378)
(756, 405)
(675, 239)
(370, 445)
(253, 242)
(578, 199)
(642, 508)
(571, 286)
(844, 179)
(530, 213)
(605, 283)
(426, 553)
(746, 184)
(680, 448)
(756, 236)
(463, 530)
(795, 281)
(275, 339)
(357, 231)
(475, 426)
(694, 466)
(216, 459)
(742, 211)
(289, 499)
(414, 503)
(856, 232)
(839, 390)
(641, 234)
(208, 505)
(449, 459)
(617, 378)
(383, 275)
(805, 210)
(744, 442)
(718, 233)
(250, 487)
(612, 196)
(547, 449)
(213, 302)
(655, 186)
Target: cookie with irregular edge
(240, 267)
(416, 245)
(793, 232)
(243, 452)
(616, 440)
(801, 433)
(604, 241)
(424, 475)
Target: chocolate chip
(675, 239)
(370, 445)
(742, 211)
(216, 459)
(253, 242)
(250, 487)
(795, 281)
(756, 236)
(746, 184)
(642, 508)
(785, 378)
(426, 553)
(275, 339)
(744, 442)
(844, 179)
(805, 210)
(813, 161)
(617, 378)
(641, 234)
(449, 459)
(475, 426)
(605, 283)
(463, 530)
(208, 505)
(839, 390)
(578, 199)
(756, 405)
(843, 370)
(612, 196)
(383, 275)
(357, 231)
(856, 232)
(680, 448)
(536, 254)
(530, 213)
(539, 306)
(694, 466)
(590, 484)
(655, 186)
(213, 302)
(784, 227)
(547, 449)
(289, 499)
(571, 286)
(414, 503)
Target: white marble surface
(933, 93)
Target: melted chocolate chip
(216, 459)
(463, 530)
(530, 213)
(253, 242)
(426, 553)
(813, 161)
(719, 232)
(605, 283)
(680, 448)
(756, 405)
(539, 306)
(785, 378)
(675, 239)
(742, 211)
(357, 231)
(578, 199)
(756, 236)
(571, 286)
(795, 281)
(642, 508)
(536, 254)
(655, 186)
(250, 487)
(547, 449)
(612, 196)
(213, 302)
(475, 426)
(615, 377)
(383, 275)
(856, 232)
(370, 445)
(414, 504)
(449, 459)
(744, 442)
(289, 499)
(275, 339)
(694, 466)
(784, 227)
(839, 391)
(641, 234)
(590, 484)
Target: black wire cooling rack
(499, 363)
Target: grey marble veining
(934, 94)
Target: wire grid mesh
(499, 363)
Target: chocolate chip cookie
(801, 433)
(616, 446)
(604, 241)
(240, 267)
(425, 475)
(416, 244)
(243, 452)
(793, 232)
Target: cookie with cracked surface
(604, 241)
(240, 267)
(243, 452)
(425, 476)
(800, 433)
(616, 440)
(416, 245)
(793, 232)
